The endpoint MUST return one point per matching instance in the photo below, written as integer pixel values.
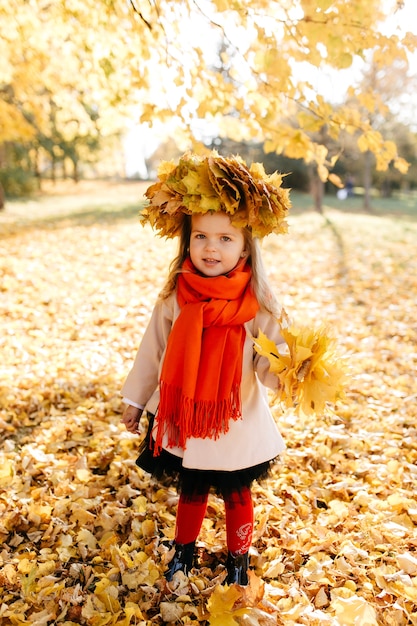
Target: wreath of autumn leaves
(214, 183)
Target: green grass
(401, 205)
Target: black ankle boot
(182, 560)
(237, 569)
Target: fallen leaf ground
(85, 534)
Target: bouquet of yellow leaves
(311, 373)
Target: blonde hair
(259, 281)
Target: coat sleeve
(142, 380)
(269, 325)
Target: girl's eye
(226, 238)
(199, 236)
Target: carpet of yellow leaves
(84, 534)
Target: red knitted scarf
(202, 369)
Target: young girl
(196, 372)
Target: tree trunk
(316, 189)
(367, 181)
(75, 171)
(2, 199)
(53, 169)
(36, 169)
(2, 164)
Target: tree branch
(136, 10)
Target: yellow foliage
(372, 102)
(323, 172)
(401, 165)
(296, 144)
(78, 68)
(370, 140)
(309, 122)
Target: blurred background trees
(321, 89)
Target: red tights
(239, 519)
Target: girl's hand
(130, 418)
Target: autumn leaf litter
(85, 534)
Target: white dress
(251, 440)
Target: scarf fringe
(188, 418)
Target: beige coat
(250, 440)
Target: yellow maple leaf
(370, 140)
(401, 165)
(6, 472)
(220, 606)
(107, 593)
(354, 610)
(86, 537)
(130, 610)
(335, 179)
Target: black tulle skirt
(167, 468)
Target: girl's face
(216, 246)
